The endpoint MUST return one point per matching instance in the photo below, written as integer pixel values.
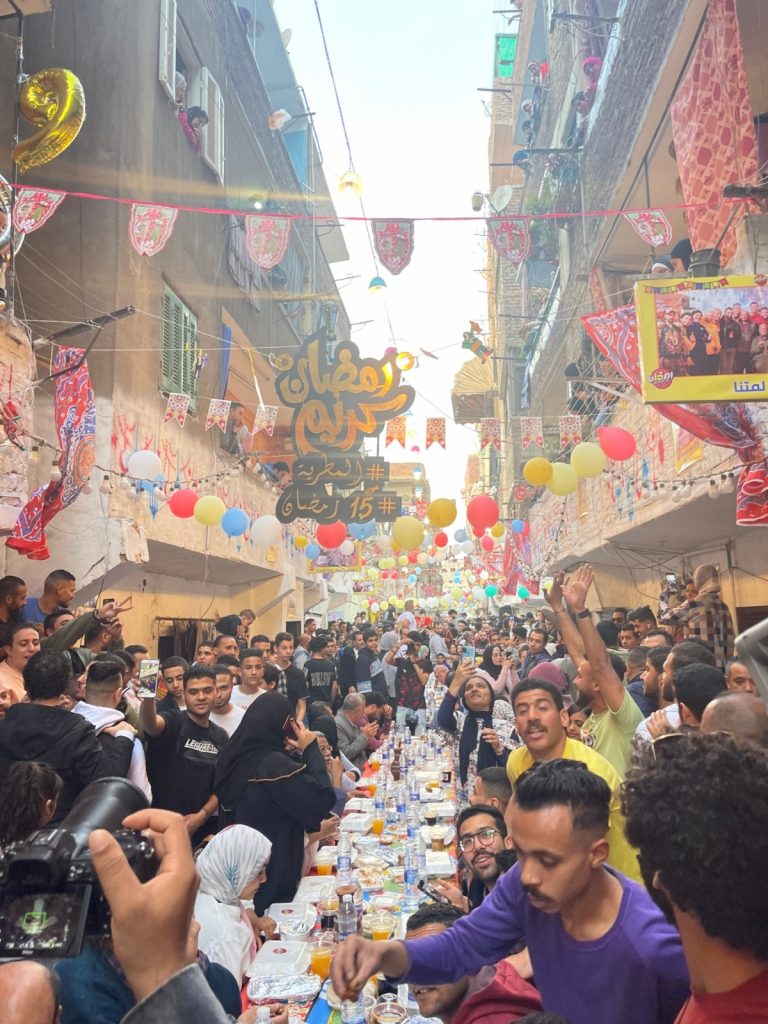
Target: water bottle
(353, 1010)
(413, 787)
(422, 855)
(347, 918)
(379, 803)
(343, 860)
(411, 875)
(412, 824)
(400, 801)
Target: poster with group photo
(703, 339)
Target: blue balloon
(418, 571)
(460, 536)
(518, 526)
(234, 522)
(312, 550)
(412, 578)
(362, 531)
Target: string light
(106, 485)
(713, 491)
(55, 474)
(87, 487)
(727, 485)
(125, 483)
(34, 455)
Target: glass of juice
(325, 860)
(381, 925)
(371, 784)
(377, 826)
(321, 950)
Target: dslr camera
(50, 896)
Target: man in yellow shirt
(541, 721)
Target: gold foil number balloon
(53, 100)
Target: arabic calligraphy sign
(314, 492)
(703, 339)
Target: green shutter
(179, 349)
(506, 48)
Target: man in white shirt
(407, 616)
(251, 678)
(225, 713)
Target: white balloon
(144, 465)
(384, 542)
(467, 547)
(347, 547)
(266, 531)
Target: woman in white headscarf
(232, 867)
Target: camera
(509, 652)
(50, 897)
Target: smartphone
(149, 673)
(289, 728)
(468, 654)
(432, 893)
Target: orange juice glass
(382, 926)
(324, 862)
(377, 826)
(371, 783)
(321, 950)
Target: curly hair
(697, 810)
(24, 792)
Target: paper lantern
(491, 590)
(441, 539)
(537, 471)
(588, 459)
(441, 512)
(564, 479)
(618, 444)
(312, 551)
(350, 181)
(407, 532)
(209, 510)
(234, 522)
(487, 543)
(182, 503)
(482, 511)
(331, 535)
(300, 542)
(497, 530)
(460, 536)
(347, 548)
(144, 465)
(517, 525)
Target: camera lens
(103, 804)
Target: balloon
(300, 542)
(402, 560)
(617, 443)
(441, 539)
(588, 459)
(312, 551)
(54, 102)
(210, 510)
(234, 522)
(478, 531)
(526, 529)
(497, 530)
(267, 531)
(484, 575)
(375, 607)
(362, 531)
(491, 590)
(441, 512)
(412, 578)
(478, 593)
(412, 556)
(467, 547)
(407, 532)
(144, 465)
(445, 602)
(421, 558)
(384, 542)
(331, 535)
(456, 593)
(564, 479)
(517, 525)
(347, 547)
(523, 592)
(487, 543)
(537, 471)
(460, 536)
(182, 503)
(383, 605)
(482, 511)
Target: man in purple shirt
(602, 951)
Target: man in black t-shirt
(321, 672)
(286, 679)
(182, 749)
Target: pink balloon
(618, 444)
(486, 543)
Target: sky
(407, 73)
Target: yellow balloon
(402, 560)
(53, 100)
(537, 471)
(588, 459)
(441, 512)
(497, 530)
(209, 510)
(383, 605)
(444, 602)
(457, 593)
(564, 479)
(407, 532)
(300, 542)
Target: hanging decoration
(264, 419)
(395, 431)
(278, 119)
(75, 417)
(441, 512)
(182, 503)
(588, 459)
(490, 432)
(176, 408)
(473, 343)
(317, 486)
(406, 361)
(531, 431)
(482, 512)
(537, 471)
(511, 237)
(651, 225)
(435, 431)
(570, 430)
(393, 241)
(266, 239)
(54, 102)
(33, 207)
(218, 414)
(151, 227)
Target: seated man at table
(495, 995)
(493, 788)
(482, 835)
(354, 738)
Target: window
(506, 48)
(167, 51)
(204, 91)
(179, 354)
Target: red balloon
(525, 530)
(412, 556)
(182, 503)
(617, 443)
(483, 511)
(331, 535)
(478, 531)
(487, 543)
(441, 539)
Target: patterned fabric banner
(75, 416)
(265, 419)
(531, 431)
(510, 237)
(218, 413)
(177, 408)
(395, 431)
(151, 227)
(435, 431)
(490, 432)
(651, 225)
(33, 207)
(393, 240)
(712, 129)
(266, 239)
(570, 430)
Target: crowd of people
(608, 767)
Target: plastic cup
(381, 925)
(321, 950)
(324, 862)
(377, 826)
(371, 784)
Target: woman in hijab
(232, 867)
(498, 671)
(276, 784)
(483, 726)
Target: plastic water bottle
(379, 803)
(412, 824)
(344, 860)
(400, 801)
(422, 855)
(413, 787)
(411, 875)
(353, 1010)
(347, 918)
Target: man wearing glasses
(482, 835)
(619, 616)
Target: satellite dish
(286, 36)
(500, 198)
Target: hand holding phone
(149, 672)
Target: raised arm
(609, 684)
(151, 723)
(568, 629)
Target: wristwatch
(585, 614)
